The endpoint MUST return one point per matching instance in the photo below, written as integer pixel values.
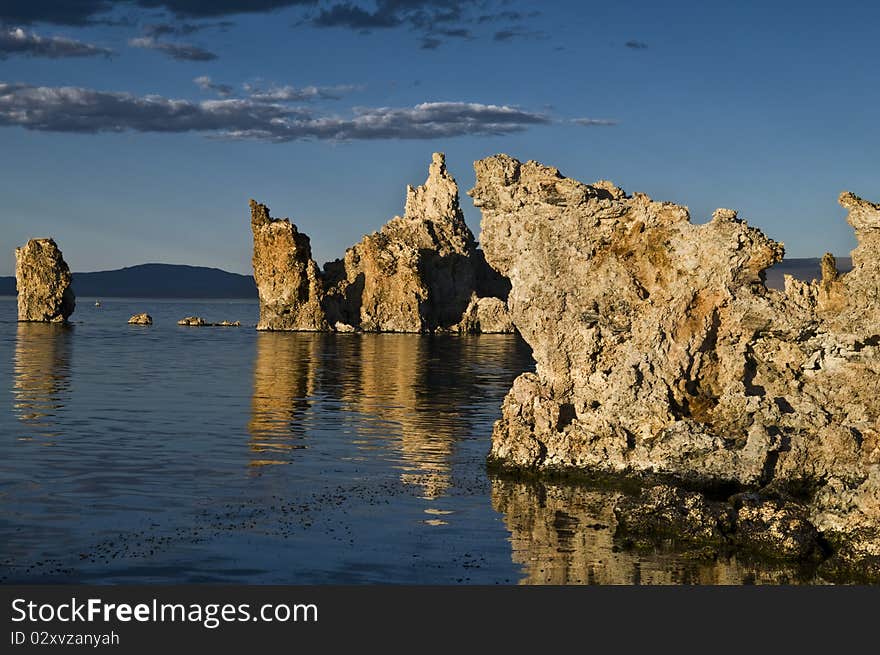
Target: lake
(166, 454)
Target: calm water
(166, 454)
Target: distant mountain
(156, 281)
(175, 281)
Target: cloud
(183, 29)
(436, 21)
(88, 111)
(594, 122)
(517, 33)
(276, 93)
(636, 45)
(206, 84)
(19, 42)
(178, 51)
(85, 12)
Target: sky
(136, 131)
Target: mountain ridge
(155, 280)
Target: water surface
(166, 454)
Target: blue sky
(115, 143)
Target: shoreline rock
(419, 273)
(198, 321)
(43, 281)
(193, 321)
(660, 351)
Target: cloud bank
(81, 110)
(19, 42)
(178, 51)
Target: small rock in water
(228, 324)
(193, 321)
(141, 319)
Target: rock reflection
(391, 392)
(284, 388)
(564, 534)
(41, 387)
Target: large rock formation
(43, 281)
(286, 275)
(422, 272)
(660, 350)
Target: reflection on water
(391, 390)
(160, 436)
(402, 391)
(284, 385)
(564, 534)
(41, 370)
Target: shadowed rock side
(660, 350)
(287, 277)
(422, 272)
(43, 281)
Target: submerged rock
(419, 273)
(197, 321)
(659, 348)
(141, 319)
(193, 321)
(43, 280)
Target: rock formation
(286, 275)
(43, 280)
(198, 321)
(660, 350)
(487, 315)
(193, 321)
(141, 319)
(422, 272)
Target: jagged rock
(664, 512)
(141, 319)
(414, 275)
(485, 315)
(43, 281)
(417, 274)
(193, 321)
(287, 277)
(660, 350)
(761, 526)
(228, 324)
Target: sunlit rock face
(44, 283)
(659, 348)
(287, 277)
(419, 273)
